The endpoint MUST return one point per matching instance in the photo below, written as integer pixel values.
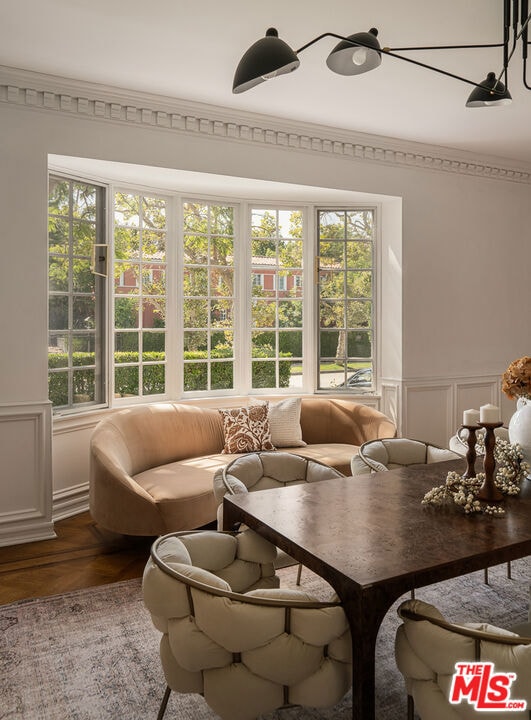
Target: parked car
(361, 378)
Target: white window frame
(242, 293)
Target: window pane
(221, 251)
(58, 350)
(264, 313)
(83, 201)
(153, 344)
(126, 342)
(84, 386)
(359, 284)
(359, 344)
(58, 383)
(58, 196)
(195, 250)
(264, 374)
(153, 379)
(196, 342)
(359, 255)
(332, 284)
(221, 282)
(84, 237)
(154, 213)
(127, 209)
(332, 255)
(58, 312)
(195, 376)
(126, 243)
(195, 281)
(58, 235)
(140, 274)
(221, 220)
(154, 280)
(208, 274)
(346, 291)
(222, 344)
(332, 314)
(264, 344)
(359, 313)
(360, 224)
(83, 279)
(222, 375)
(290, 313)
(126, 381)
(58, 268)
(331, 225)
(276, 278)
(153, 245)
(76, 298)
(126, 312)
(195, 217)
(290, 253)
(290, 342)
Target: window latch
(98, 265)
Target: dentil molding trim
(104, 103)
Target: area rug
(93, 654)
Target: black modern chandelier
(359, 53)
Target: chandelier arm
(447, 47)
(387, 51)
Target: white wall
(460, 266)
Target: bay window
(204, 296)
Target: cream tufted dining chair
(427, 648)
(230, 634)
(265, 471)
(382, 455)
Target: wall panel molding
(102, 103)
(26, 486)
(433, 407)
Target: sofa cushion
(285, 422)
(247, 429)
(337, 455)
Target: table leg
(365, 612)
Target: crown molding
(50, 93)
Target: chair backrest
(265, 470)
(381, 455)
(246, 652)
(428, 648)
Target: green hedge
(126, 373)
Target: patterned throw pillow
(246, 429)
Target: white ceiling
(189, 50)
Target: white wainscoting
(433, 407)
(26, 473)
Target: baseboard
(71, 501)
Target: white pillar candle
(489, 414)
(470, 417)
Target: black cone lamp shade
(348, 58)
(266, 58)
(490, 94)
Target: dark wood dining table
(370, 537)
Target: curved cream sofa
(152, 466)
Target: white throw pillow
(284, 422)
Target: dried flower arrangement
(512, 469)
(516, 380)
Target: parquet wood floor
(82, 555)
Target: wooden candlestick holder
(471, 452)
(488, 490)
